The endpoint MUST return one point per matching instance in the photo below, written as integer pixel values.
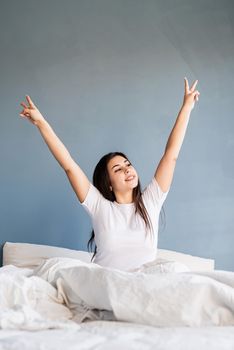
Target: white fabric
(29, 302)
(104, 335)
(120, 233)
(156, 298)
(194, 263)
(28, 255)
(155, 295)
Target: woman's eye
(120, 168)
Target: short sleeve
(153, 194)
(92, 200)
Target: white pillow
(194, 263)
(30, 256)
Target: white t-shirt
(120, 233)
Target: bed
(40, 308)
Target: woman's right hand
(31, 112)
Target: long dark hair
(101, 181)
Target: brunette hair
(101, 181)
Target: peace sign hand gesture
(31, 112)
(190, 94)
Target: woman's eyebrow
(120, 164)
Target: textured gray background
(108, 75)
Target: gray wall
(108, 75)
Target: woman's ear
(111, 188)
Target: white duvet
(62, 292)
(153, 295)
(29, 302)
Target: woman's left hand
(190, 94)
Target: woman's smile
(130, 178)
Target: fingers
(191, 94)
(196, 95)
(187, 89)
(30, 102)
(24, 114)
(24, 105)
(196, 92)
(26, 111)
(194, 85)
(186, 85)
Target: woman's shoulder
(94, 200)
(154, 193)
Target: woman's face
(122, 174)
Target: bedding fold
(152, 295)
(29, 302)
(64, 292)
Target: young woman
(125, 219)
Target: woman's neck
(124, 198)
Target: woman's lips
(129, 178)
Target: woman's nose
(126, 170)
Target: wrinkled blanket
(28, 302)
(153, 295)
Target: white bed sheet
(106, 335)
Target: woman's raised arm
(76, 176)
(165, 170)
